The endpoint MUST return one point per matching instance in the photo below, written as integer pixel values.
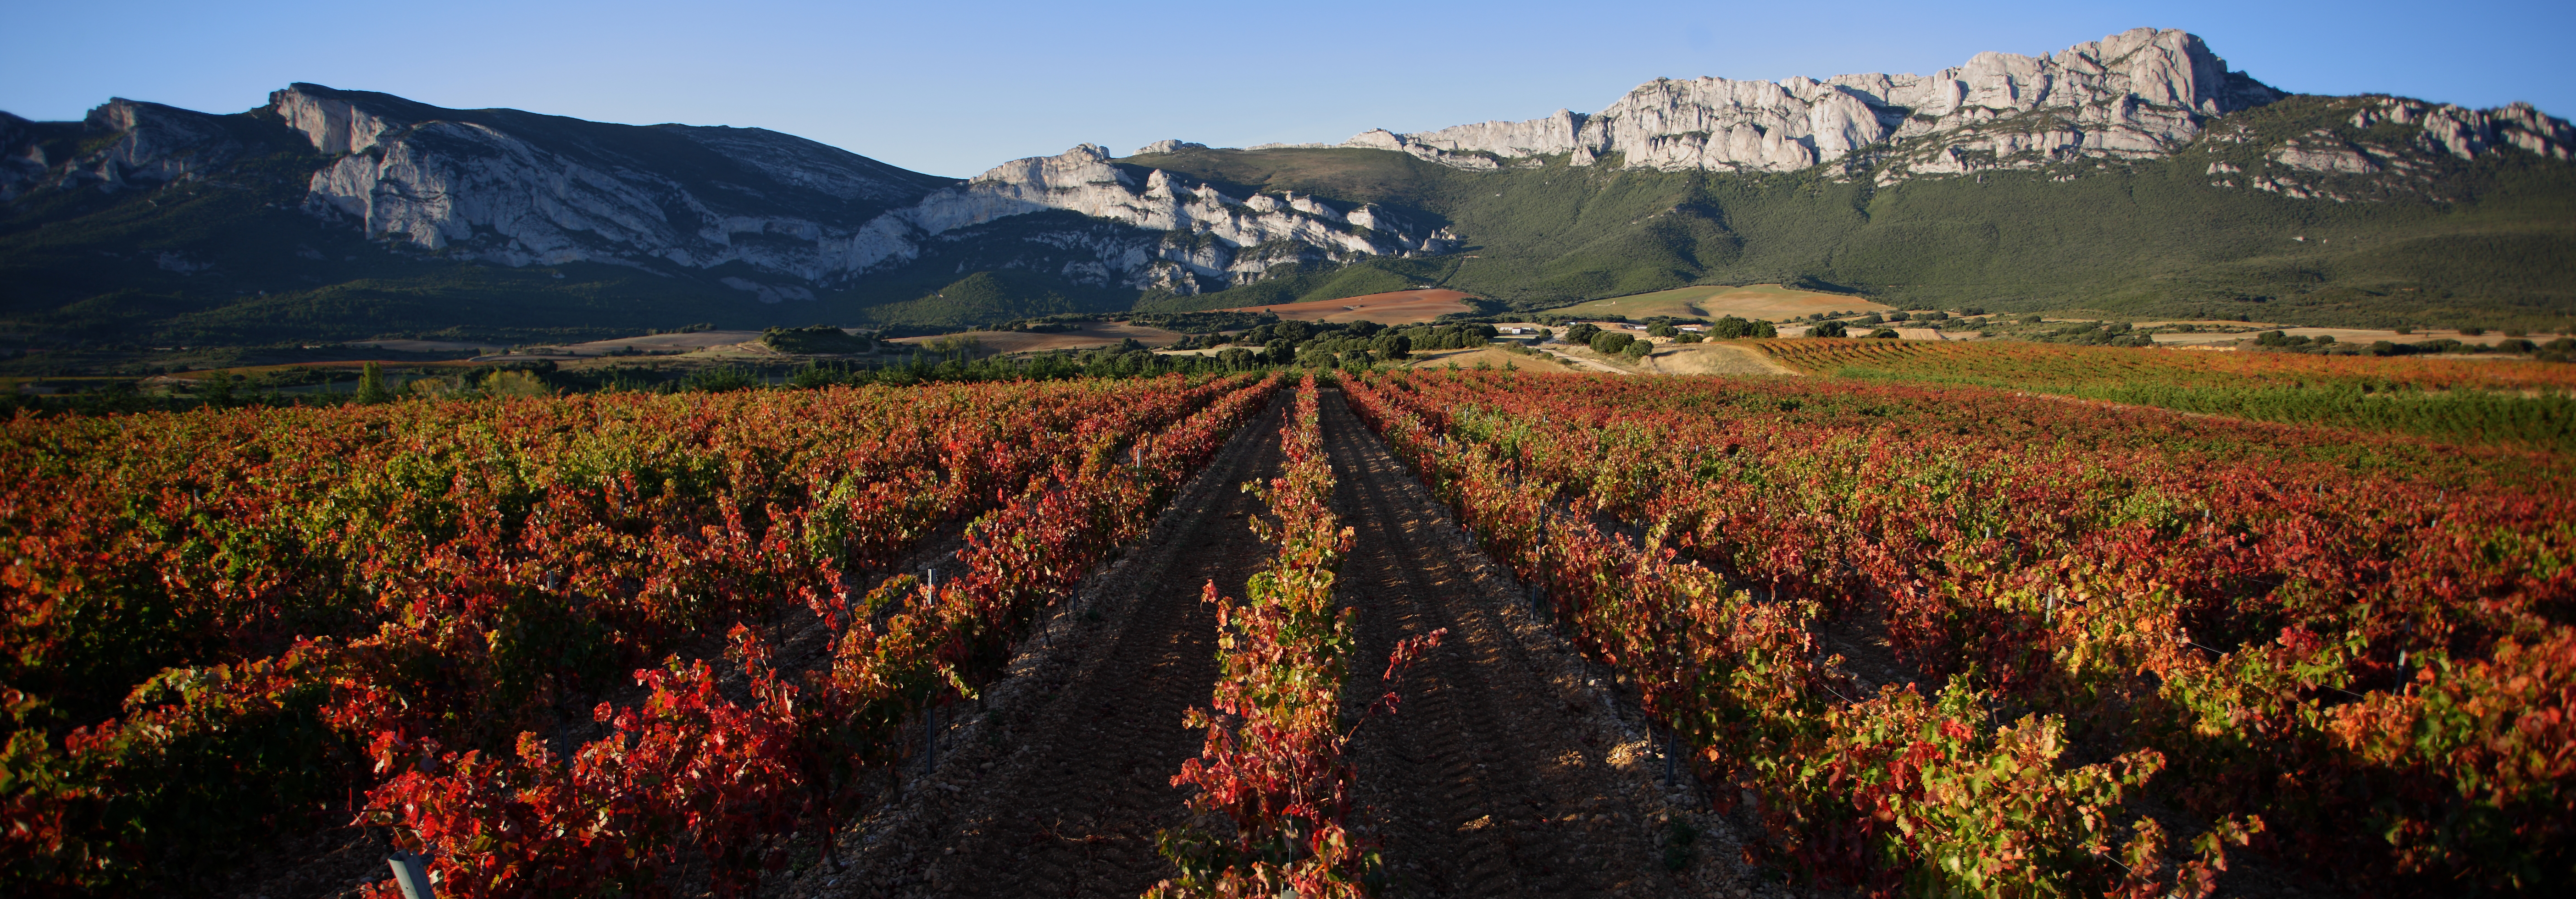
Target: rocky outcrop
(1168, 146)
(2137, 93)
(1213, 240)
(2374, 147)
(522, 189)
(497, 185)
(122, 144)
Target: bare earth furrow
(1059, 787)
(1481, 785)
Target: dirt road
(1495, 777)
(1508, 771)
(1057, 787)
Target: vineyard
(1478, 633)
(416, 615)
(2507, 401)
(2118, 646)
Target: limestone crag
(521, 189)
(122, 144)
(2141, 92)
(478, 185)
(1212, 240)
(2138, 94)
(2377, 148)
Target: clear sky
(953, 88)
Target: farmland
(1919, 600)
(1407, 632)
(1401, 307)
(2511, 401)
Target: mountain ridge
(759, 227)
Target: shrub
(1829, 329)
(1887, 333)
(515, 384)
(1611, 342)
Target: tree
(1829, 329)
(371, 384)
(1662, 329)
(1730, 327)
(216, 390)
(1391, 346)
(1764, 328)
(1637, 349)
(1581, 332)
(1885, 333)
(1608, 342)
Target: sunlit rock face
(2137, 92)
(523, 189)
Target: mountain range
(2136, 175)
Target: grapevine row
(692, 768)
(2297, 642)
(1274, 762)
(569, 536)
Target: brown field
(1712, 301)
(1712, 358)
(662, 343)
(1402, 307)
(1493, 357)
(1090, 336)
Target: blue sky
(954, 88)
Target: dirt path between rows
(1058, 784)
(1513, 768)
(1501, 774)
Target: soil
(1059, 783)
(1712, 358)
(1498, 775)
(1512, 768)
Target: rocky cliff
(476, 183)
(2140, 93)
(1211, 239)
(522, 189)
